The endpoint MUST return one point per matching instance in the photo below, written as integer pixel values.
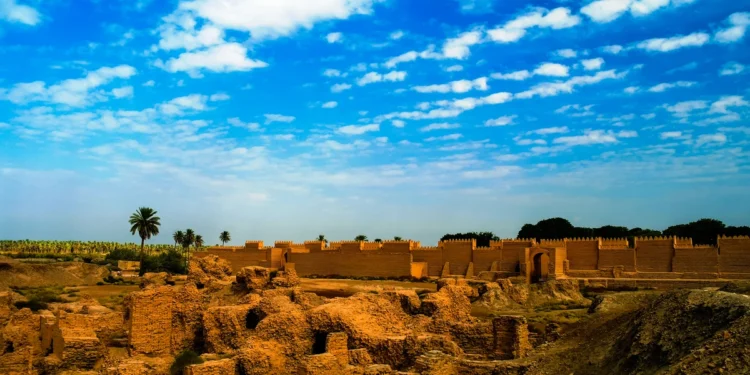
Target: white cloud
(398, 123)
(358, 129)
(576, 110)
(283, 137)
(123, 92)
(496, 172)
(738, 23)
(674, 43)
(373, 77)
(731, 68)
(718, 138)
(178, 106)
(236, 122)
(149, 83)
(631, 89)
(330, 104)
(219, 96)
(271, 118)
(71, 92)
(566, 53)
(448, 137)
(671, 135)
(512, 31)
(603, 11)
(458, 87)
(175, 35)
(334, 37)
(683, 109)
(593, 64)
(339, 87)
(439, 126)
(229, 57)
(552, 69)
(666, 86)
(396, 35)
(589, 137)
(269, 19)
(500, 121)
(332, 73)
(555, 88)
(513, 76)
(614, 49)
(11, 11)
(720, 106)
(454, 68)
(458, 47)
(627, 134)
(550, 130)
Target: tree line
(703, 232)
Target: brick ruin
(662, 258)
(253, 322)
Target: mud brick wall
(419, 269)
(240, 257)
(433, 256)
(654, 255)
(77, 345)
(734, 255)
(474, 338)
(609, 258)
(458, 254)
(483, 258)
(583, 255)
(511, 337)
(149, 315)
(699, 259)
(397, 246)
(511, 255)
(373, 263)
(218, 367)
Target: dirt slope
(14, 273)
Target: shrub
(184, 359)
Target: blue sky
(283, 119)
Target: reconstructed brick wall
(483, 258)
(699, 259)
(397, 246)
(511, 255)
(583, 255)
(609, 258)
(432, 256)
(458, 254)
(734, 255)
(654, 255)
(373, 263)
(419, 269)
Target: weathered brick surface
(149, 322)
(654, 255)
(218, 367)
(609, 258)
(511, 337)
(583, 255)
(696, 260)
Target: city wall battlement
(668, 257)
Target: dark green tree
(177, 237)
(397, 238)
(145, 222)
(224, 237)
(360, 237)
(483, 238)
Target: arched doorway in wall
(540, 272)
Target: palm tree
(397, 238)
(177, 237)
(198, 241)
(187, 240)
(361, 237)
(322, 238)
(146, 223)
(224, 237)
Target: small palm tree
(198, 241)
(178, 237)
(224, 237)
(397, 238)
(187, 240)
(322, 238)
(361, 237)
(146, 223)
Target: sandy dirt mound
(678, 332)
(19, 274)
(503, 295)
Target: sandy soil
(343, 288)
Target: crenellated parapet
(614, 242)
(253, 245)
(552, 243)
(398, 246)
(427, 248)
(683, 242)
(314, 245)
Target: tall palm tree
(198, 241)
(224, 237)
(361, 237)
(322, 238)
(397, 238)
(178, 237)
(146, 223)
(187, 240)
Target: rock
(209, 270)
(254, 278)
(153, 279)
(286, 279)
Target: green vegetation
(146, 223)
(224, 237)
(361, 237)
(184, 359)
(71, 249)
(39, 298)
(483, 238)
